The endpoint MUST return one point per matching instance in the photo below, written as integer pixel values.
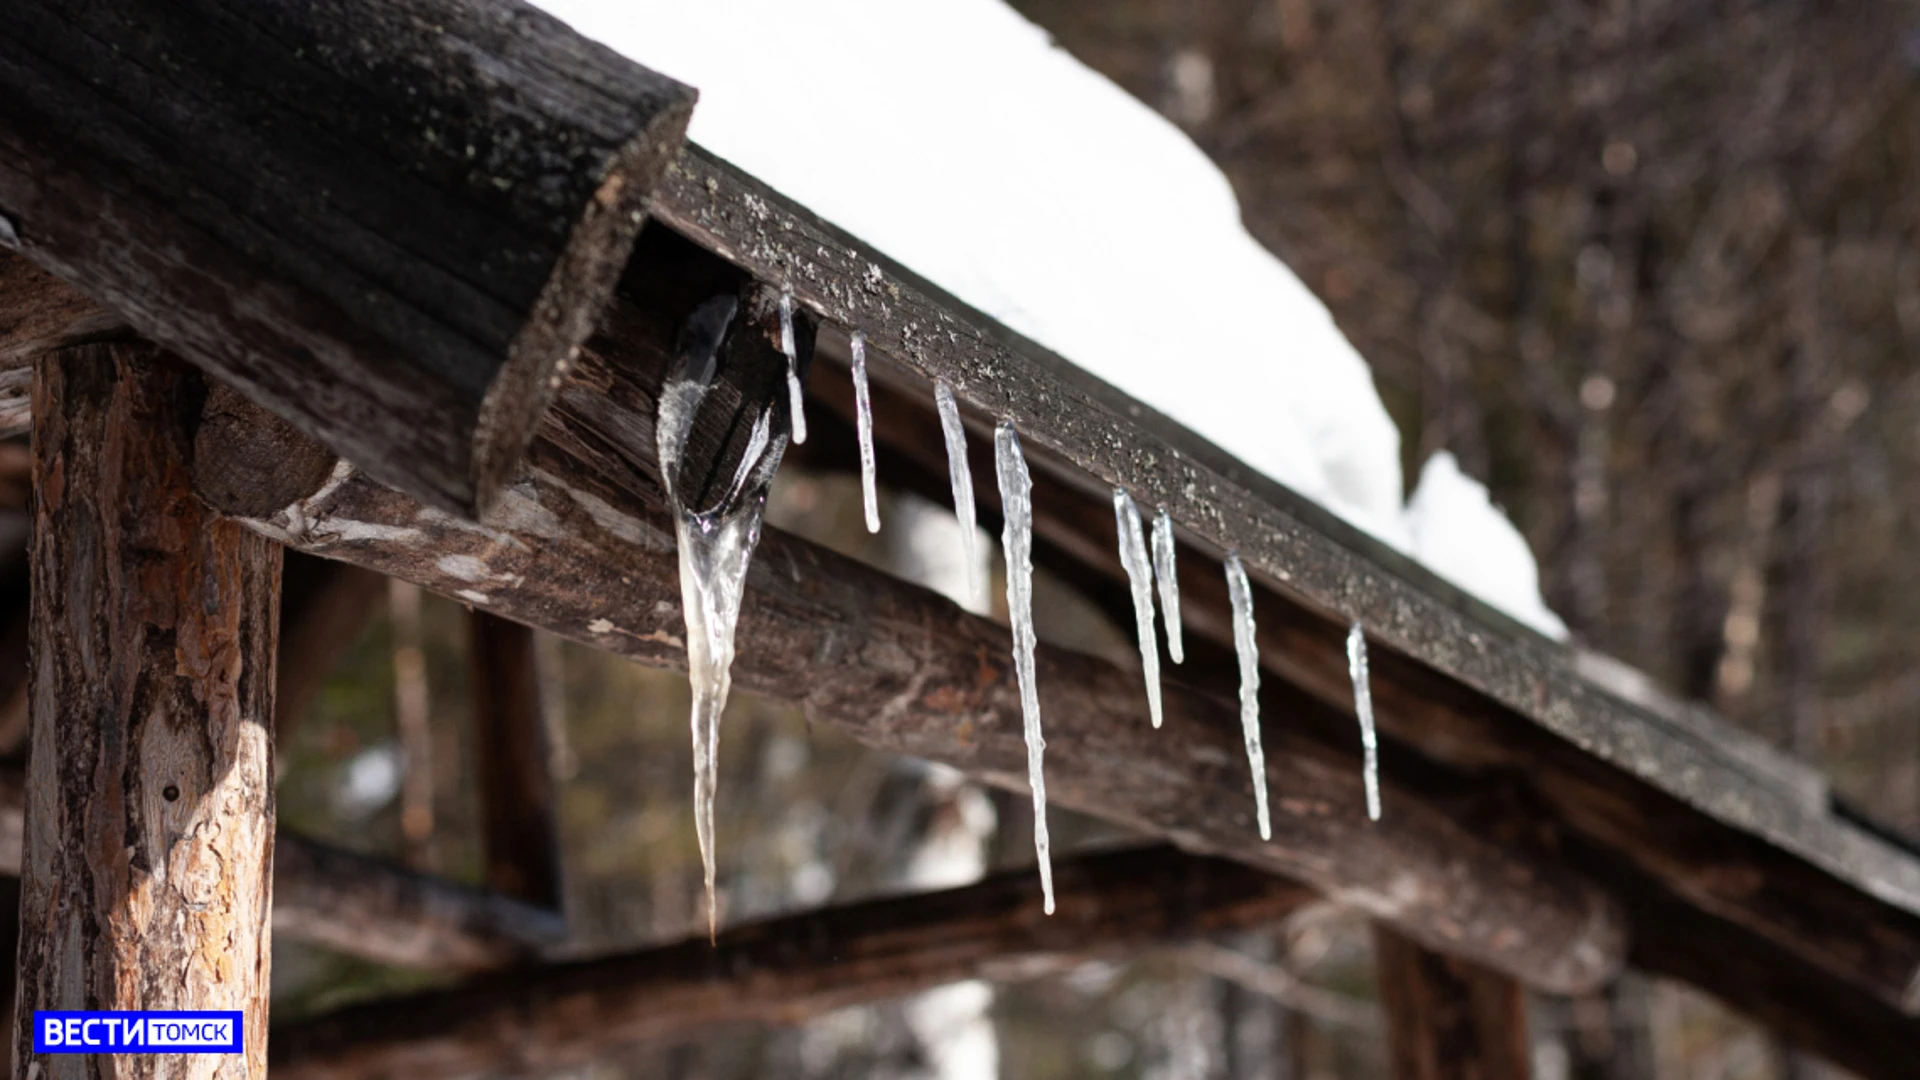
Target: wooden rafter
(787, 969)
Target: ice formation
(1165, 565)
(1363, 709)
(1240, 593)
(716, 545)
(961, 475)
(796, 399)
(863, 419)
(1016, 537)
(1133, 556)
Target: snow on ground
(954, 136)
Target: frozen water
(1240, 592)
(1164, 566)
(1133, 556)
(1016, 508)
(1363, 708)
(796, 399)
(863, 418)
(716, 546)
(962, 477)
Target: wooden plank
(1465, 685)
(785, 970)
(1448, 1019)
(365, 907)
(146, 877)
(519, 827)
(839, 637)
(389, 220)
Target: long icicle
(796, 398)
(863, 420)
(961, 476)
(1163, 572)
(716, 545)
(1363, 708)
(1016, 509)
(1133, 556)
(1240, 592)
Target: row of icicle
(715, 549)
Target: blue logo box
(86, 1031)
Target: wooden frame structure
(1550, 818)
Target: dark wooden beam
(325, 607)
(388, 220)
(365, 907)
(519, 828)
(1448, 1019)
(787, 969)
(906, 671)
(149, 807)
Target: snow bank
(952, 135)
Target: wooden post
(1448, 1019)
(516, 774)
(146, 881)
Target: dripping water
(716, 543)
(1363, 708)
(863, 418)
(1133, 556)
(1241, 594)
(1163, 572)
(796, 404)
(962, 478)
(1016, 506)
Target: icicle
(1133, 556)
(1241, 594)
(863, 419)
(716, 545)
(1363, 708)
(796, 402)
(1016, 508)
(1163, 571)
(962, 477)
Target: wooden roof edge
(1295, 547)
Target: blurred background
(1649, 268)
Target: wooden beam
(389, 220)
(787, 969)
(146, 877)
(365, 907)
(519, 828)
(1448, 1019)
(839, 637)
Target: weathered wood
(1743, 878)
(388, 220)
(788, 969)
(518, 827)
(1448, 1019)
(1089, 435)
(146, 877)
(365, 907)
(590, 557)
(377, 911)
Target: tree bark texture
(146, 880)
(389, 220)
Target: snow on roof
(954, 136)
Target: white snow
(1454, 528)
(1057, 203)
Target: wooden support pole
(147, 871)
(325, 608)
(785, 970)
(1448, 1019)
(389, 220)
(517, 806)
